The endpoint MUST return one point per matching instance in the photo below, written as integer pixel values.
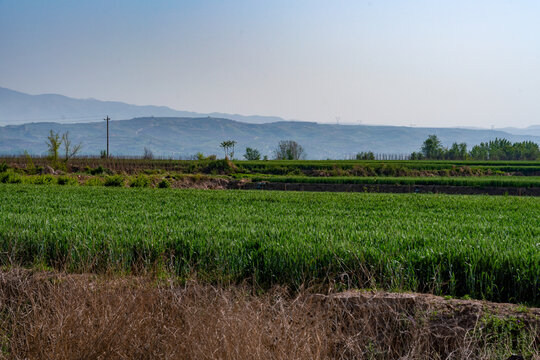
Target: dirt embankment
(221, 184)
(59, 316)
(244, 184)
(203, 183)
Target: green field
(484, 247)
(274, 166)
(496, 181)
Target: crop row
(282, 167)
(486, 247)
(142, 180)
(495, 181)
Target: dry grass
(59, 316)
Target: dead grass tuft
(58, 316)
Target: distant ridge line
(182, 137)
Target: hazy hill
(187, 136)
(19, 108)
(533, 130)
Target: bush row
(11, 177)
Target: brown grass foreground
(58, 316)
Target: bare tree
(148, 154)
(233, 143)
(228, 148)
(69, 150)
(54, 142)
(289, 150)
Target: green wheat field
(481, 246)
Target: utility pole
(107, 119)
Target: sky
(393, 62)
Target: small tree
(69, 150)
(31, 168)
(416, 156)
(289, 150)
(365, 156)
(225, 145)
(526, 150)
(457, 152)
(252, 154)
(228, 148)
(479, 152)
(232, 148)
(432, 148)
(54, 140)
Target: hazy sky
(440, 63)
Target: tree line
(498, 149)
(432, 149)
(285, 150)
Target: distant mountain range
(531, 130)
(181, 137)
(20, 108)
(169, 132)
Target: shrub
(31, 168)
(67, 180)
(140, 181)
(296, 172)
(3, 167)
(97, 171)
(95, 181)
(114, 180)
(223, 166)
(44, 180)
(10, 177)
(164, 184)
